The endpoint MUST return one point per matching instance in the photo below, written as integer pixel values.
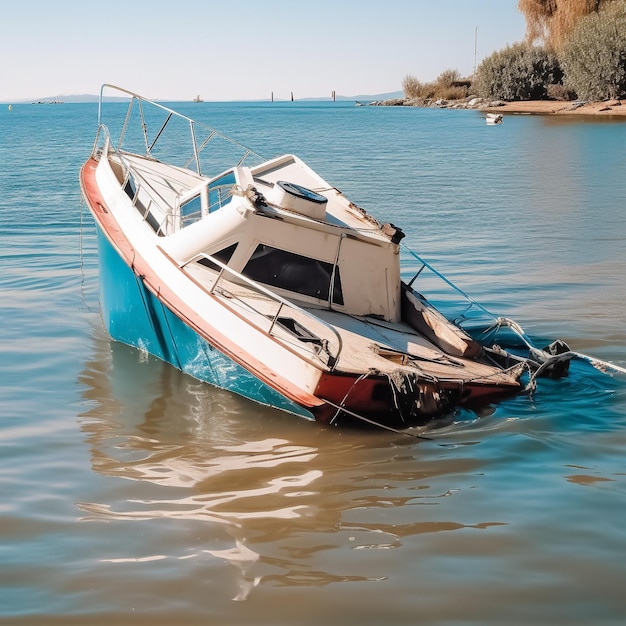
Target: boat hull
(133, 315)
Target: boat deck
(360, 343)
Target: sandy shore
(554, 107)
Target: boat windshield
(191, 211)
(221, 190)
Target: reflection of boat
(265, 280)
(191, 459)
(494, 118)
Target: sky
(244, 50)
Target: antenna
(475, 40)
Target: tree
(551, 21)
(518, 72)
(594, 55)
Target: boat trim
(224, 269)
(110, 227)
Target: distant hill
(64, 99)
(95, 97)
(365, 98)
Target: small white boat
(262, 278)
(494, 118)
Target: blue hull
(133, 315)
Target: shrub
(447, 86)
(594, 55)
(518, 72)
(448, 78)
(454, 92)
(411, 87)
(561, 92)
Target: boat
(494, 118)
(262, 278)
(197, 99)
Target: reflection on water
(150, 423)
(132, 494)
(193, 452)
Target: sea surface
(133, 494)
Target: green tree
(594, 55)
(518, 72)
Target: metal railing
(276, 317)
(200, 134)
(199, 137)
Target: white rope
(600, 365)
(366, 420)
(499, 322)
(548, 359)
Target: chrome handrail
(193, 127)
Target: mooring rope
(362, 418)
(547, 358)
(499, 322)
(352, 386)
(81, 249)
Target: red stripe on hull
(374, 397)
(110, 227)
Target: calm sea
(133, 494)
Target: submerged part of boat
(260, 277)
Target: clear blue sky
(240, 49)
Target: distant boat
(54, 101)
(198, 99)
(494, 118)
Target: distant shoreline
(608, 108)
(556, 107)
(611, 108)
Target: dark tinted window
(223, 256)
(293, 272)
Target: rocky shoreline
(526, 107)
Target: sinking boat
(260, 277)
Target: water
(132, 494)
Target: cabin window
(294, 272)
(220, 191)
(223, 256)
(131, 192)
(191, 211)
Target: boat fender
(558, 368)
